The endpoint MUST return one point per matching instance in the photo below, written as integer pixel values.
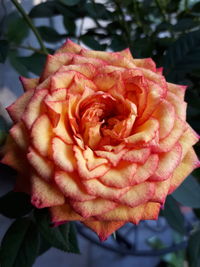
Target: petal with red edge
(151, 211)
(45, 194)
(41, 134)
(161, 191)
(96, 188)
(93, 207)
(34, 108)
(125, 213)
(64, 213)
(103, 229)
(188, 164)
(71, 187)
(16, 110)
(167, 163)
(69, 47)
(63, 155)
(138, 194)
(137, 155)
(120, 176)
(42, 166)
(146, 170)
(29, 83)
(83, 171)
(20, 135)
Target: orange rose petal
(64, 213)
(168, 143)
(167, 163)
(20, 135)
(62, 129)
(96, 188)
(93, 61)
(138, 194)
(62, 80)
(16, 109)
(54, 62)
(137, 155)
(146, 63)
(93, 207)
(103, 229)
(63, 155)
(112, 157)
(106, 81)
(88, 70)
(71, 187)
(189, 163)
(178, 90)
(125, 213)
(14, 157)
(119, 176)
(69, 47)
(41, 134)
(151, 211)
(29, 83)
(42, 166)
(33, 110)
(165, 115)
(92, 161)
(180, 106)
(145, 171)
(114, 59)
(161, 191)
(57, 95)
(83, 171)
(54, 109)
(187, 140)
(44, 194)
(144, 133)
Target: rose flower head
(101, 138)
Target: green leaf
(185, 24)
(182, 57)
(70, 2)
(15, 204)
(72, 239)
(117, 43)
(44, 246)
(50, 35)
(16, 63)
(91, 42)
(188, 193)
(173, 215)
(19, 246)
(62, 237)
(44, 10)
(4, 46)
(194, 249)
(33, 63)
(98, 11)
(69, 24)
(17, 29)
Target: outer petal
(93, 207)
(189, 163)
(151, 211)
(167, 164)
(41, 135)
(71, 187)
(45, 194)
(64, 213)
(29, 83)
(20, 135)
(16, 110)
(103, 229)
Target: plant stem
(28, 48)
(31, 25)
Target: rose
(100, 138)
